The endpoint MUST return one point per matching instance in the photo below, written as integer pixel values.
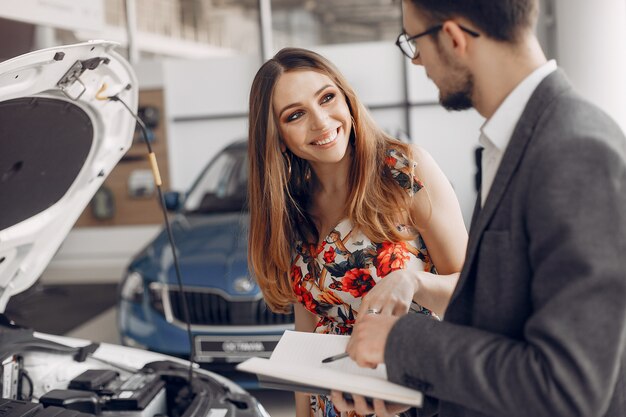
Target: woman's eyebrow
(298, 104)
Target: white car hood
(58, 142)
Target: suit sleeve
(572, 351)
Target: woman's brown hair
(280, 190)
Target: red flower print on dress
(391, 257)
(316, 250)
(329, 297)
(391, 161)
(335, 285)
(325, 323)
(329, 255)
(297, 283)
(309, 302)
(305, 297)
(296, 274)
(345, 326)
(299, 290)
(357, 282)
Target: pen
(345, 354)
(335, 357)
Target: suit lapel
(552, 85)
(475, 215)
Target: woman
(343, 218)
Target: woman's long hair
(280, 190)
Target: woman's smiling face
(313, 117)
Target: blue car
(230, 321)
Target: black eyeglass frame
(429, 31)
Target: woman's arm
(439, 220)
(437, 216)
(305, 321)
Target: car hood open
(59, 139)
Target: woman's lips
(327, 138)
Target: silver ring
(372, 311)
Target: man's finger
(380, 408)
(361, 406)
(340, 402)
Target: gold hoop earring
(287, 159)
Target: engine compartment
(40, 377)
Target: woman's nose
(319, 120)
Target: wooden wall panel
(133, 210)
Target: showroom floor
(87, 311)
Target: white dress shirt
(496, 132)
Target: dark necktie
(478, 158)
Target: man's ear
(457, 37)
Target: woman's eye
(294, 116)
(328, 97)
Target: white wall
(206, 102)
(591, 48)
(373, 69)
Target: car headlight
(156, 297)
(132, 288)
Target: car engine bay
(42, 377)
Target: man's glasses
(408, 46)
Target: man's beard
(462, 85)
(461, 99)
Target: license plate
(234, 348)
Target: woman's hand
(392, 295)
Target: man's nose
(417, 60)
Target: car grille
(207, 308)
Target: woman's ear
(283, 147)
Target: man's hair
(503, 20)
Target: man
(537, 323)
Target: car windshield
(222, 187)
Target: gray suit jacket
(537, 323)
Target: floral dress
(331, 279)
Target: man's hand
(381, 408)
(369, 335)
(367, 348)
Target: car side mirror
(173, 200)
